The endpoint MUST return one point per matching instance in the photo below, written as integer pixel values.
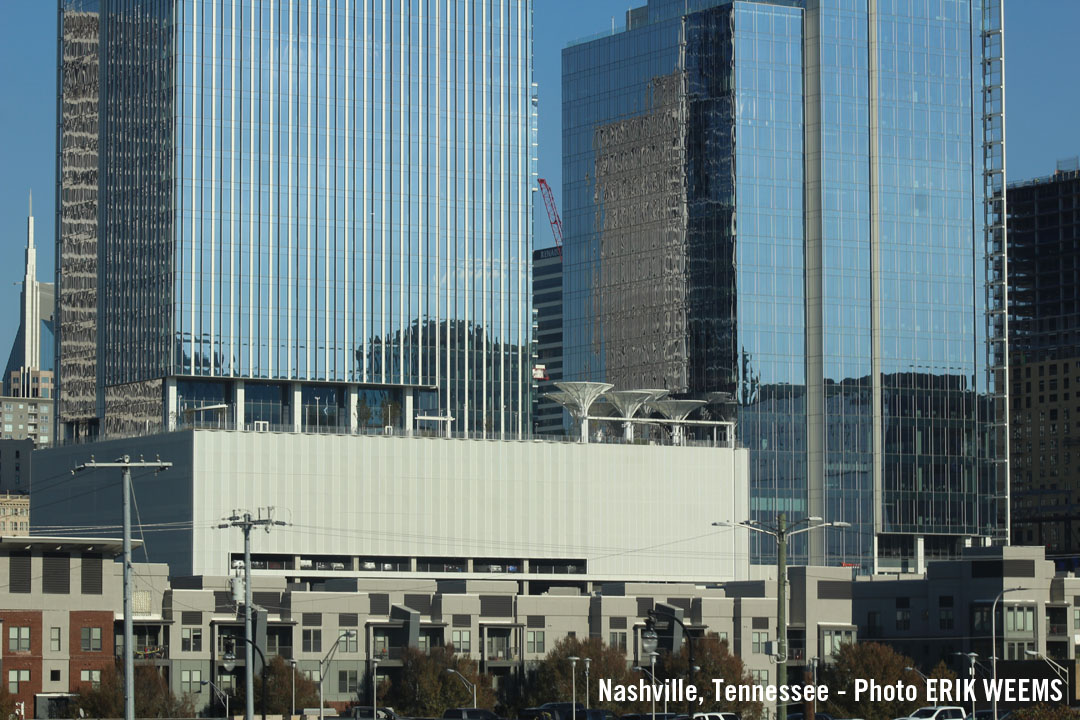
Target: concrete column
(409, 414)
(238, 404)
(171, 407)
(354, 419)
(920, 554)
(297, 410)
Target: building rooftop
(114, 546)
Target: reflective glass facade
(338, 193)
(798, 220)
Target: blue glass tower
(313, 212)
(799, 202)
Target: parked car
(938, 712)
(799, 716)
(469, 714)
(554, 711)
(594, 714)
(363, 712)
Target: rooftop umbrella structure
(581, 396)
(627, 403)
(676, 411)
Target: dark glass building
(547, 356)
(296, 211)
(1044, 303)
(800, 203)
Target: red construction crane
(553, 213)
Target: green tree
(868, 661)
(552, 680)
(1046, 711)
(423, 688)
(153, 698)
(279, 686)
(7, 702)
(363, 412)
(715, 659)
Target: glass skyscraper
(799, 202)
(315, 213)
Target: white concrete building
(547, 514)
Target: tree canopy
(423, 687)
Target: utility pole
(246, 522)
(781, 609)
(125, 464)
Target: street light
(653, 615)
(222, 695)
(588, 661)
(573, 684)
(230, 663)
(374, 687)
(1060, 670)
(468, 685)
(993, 638)
(292, 663)
(348, 634)
(652, 679)
(780, 533)
(971, 673)
(917, 670)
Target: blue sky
(1041, 110)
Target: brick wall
(21, 660)
(89, 660)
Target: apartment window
(761, 677)
(346, 681)
(190, 681)
(873, 622)
(348, 644)
(312, 675)
(462, 640)
(312, 640)
(91, 676)
(54, 639)
(535, 641)
(980, 621)
(1020, 619)
(721, 636)
(423, 644)
(903, 618)
(91, 639)
(617, 640)
(19, 638)
(191, 639)
(759, 640)
(54, 676)
(1076, 618)
(15, 678)
(835, 638)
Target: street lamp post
(248, 665)
(374, 688)
(1060, 670)
(222, 695)
(348, 634)
(470, 686)
(292, 664)
(993, 639)
(652, 679)
(971, 673)
(690, 646)
(573, 684)
(648, 646)
(588, 661)
(780, 533)
(652, 673)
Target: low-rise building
(14, 513)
